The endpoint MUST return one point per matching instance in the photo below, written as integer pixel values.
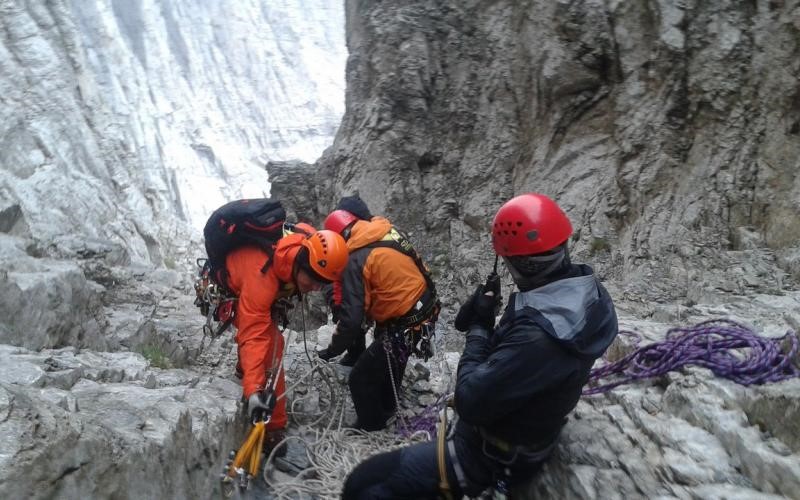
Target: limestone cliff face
(123, 123)
(122, 120)
(667, 130)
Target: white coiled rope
(332, 449)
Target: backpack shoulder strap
(397, 240)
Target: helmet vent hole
(514, 233)
(519, 224)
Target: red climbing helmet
(338, 220)
(529, 224)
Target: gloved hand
(259, 406)
(325, 354)
(485, 309)
(280, 311)
(335, 312)
(467, 311)
(482, 307)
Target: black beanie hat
(355, 206)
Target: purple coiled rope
(425, 421)
(729, 349)
(712, 344)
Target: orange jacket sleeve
(257, 334)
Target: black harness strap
(403, 245)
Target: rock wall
(123, 123)
(667, 130)
(122, 120)
(110, 426)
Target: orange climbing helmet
(327, 254)
(529, 224)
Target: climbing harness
(416, 329)
(418, 324)
(729, 349)
(216, 304)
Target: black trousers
(407, 473)
(371, 384)
(413, 472)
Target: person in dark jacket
(516, 382)
(384, 284)
(348, 210)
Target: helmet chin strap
(544, 265)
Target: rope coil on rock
(729, 349)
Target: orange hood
(285, 253)
(366, 232)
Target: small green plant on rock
(155, 356)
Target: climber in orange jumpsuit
(302, 262)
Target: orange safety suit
(258, 337)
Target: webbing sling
(444, 484)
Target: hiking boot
(272, 439)
(356, 425)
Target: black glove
(335, 312)
(485, 309)
(260, 406)
(280, 311)
(325, 354)
(482, 307)
(467, 311)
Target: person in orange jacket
(387, 286)
(302, 262)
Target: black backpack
(257, 222)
